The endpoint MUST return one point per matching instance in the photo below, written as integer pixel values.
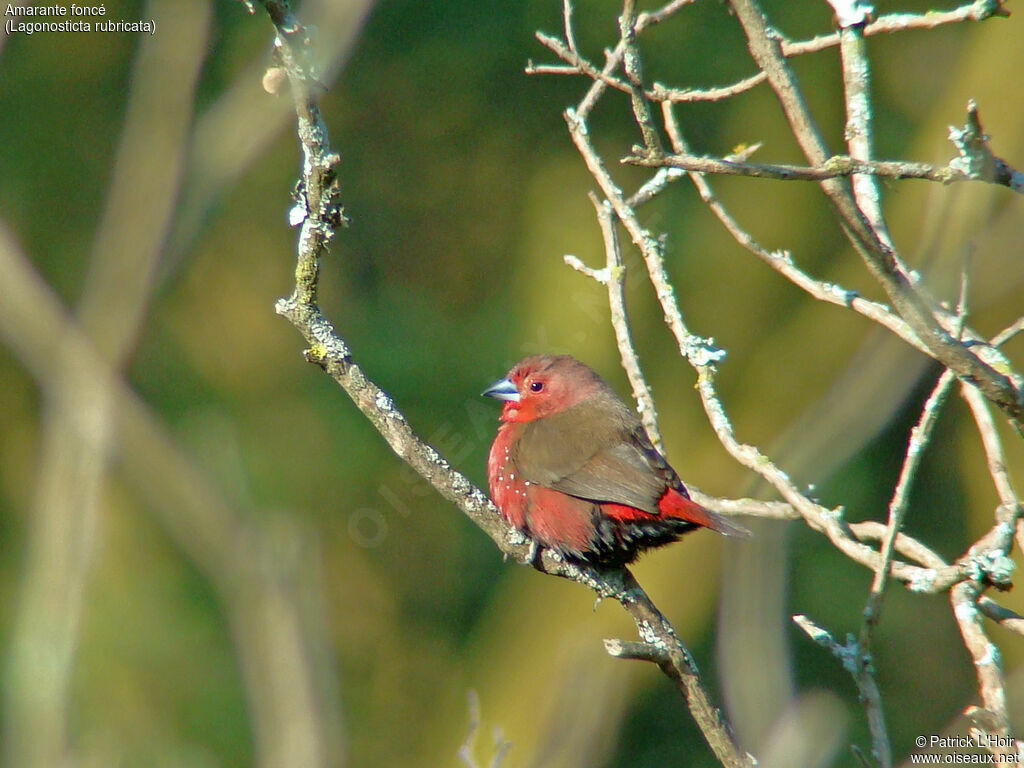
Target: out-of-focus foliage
(464, 193)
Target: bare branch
(919, 439)
(675, 661)
(858, 664)
(858, 132)
(938, 570)
(902, 22)
(770, 510)
(920, 321)
(570, 35)
(1009, 512)
(976, 157)
(695, 349)
(993, 452)
(702, 355)
(614, 278)
(575, 64)
(1004, 617)
(928, 323)
(631, 649)
(994, 719)
(634, 76)
(835, 167)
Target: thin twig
(654, 186)
(858, 131)
(979, 10)
(993, 450)
(1008, 333)
(911, 548)
(650, 247)
(769, 510)
(613, 59)
(1002, 616)
(633, 70)
(613, 276)
(919, 438)
(575, 64)
(631, 649)
(851, 656)
(570, 34)
(845, 653)
(835, 167)
(1009, 511)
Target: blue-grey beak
(503, 389)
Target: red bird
(572, 468)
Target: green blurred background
(254, 577)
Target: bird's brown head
(541, 385)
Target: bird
(572, 468)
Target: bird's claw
(533, 555)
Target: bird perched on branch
(572, 468)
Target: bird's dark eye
(536, 386)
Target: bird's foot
(533, 555)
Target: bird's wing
(619, 474)
(560, 444)
(610, 460)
